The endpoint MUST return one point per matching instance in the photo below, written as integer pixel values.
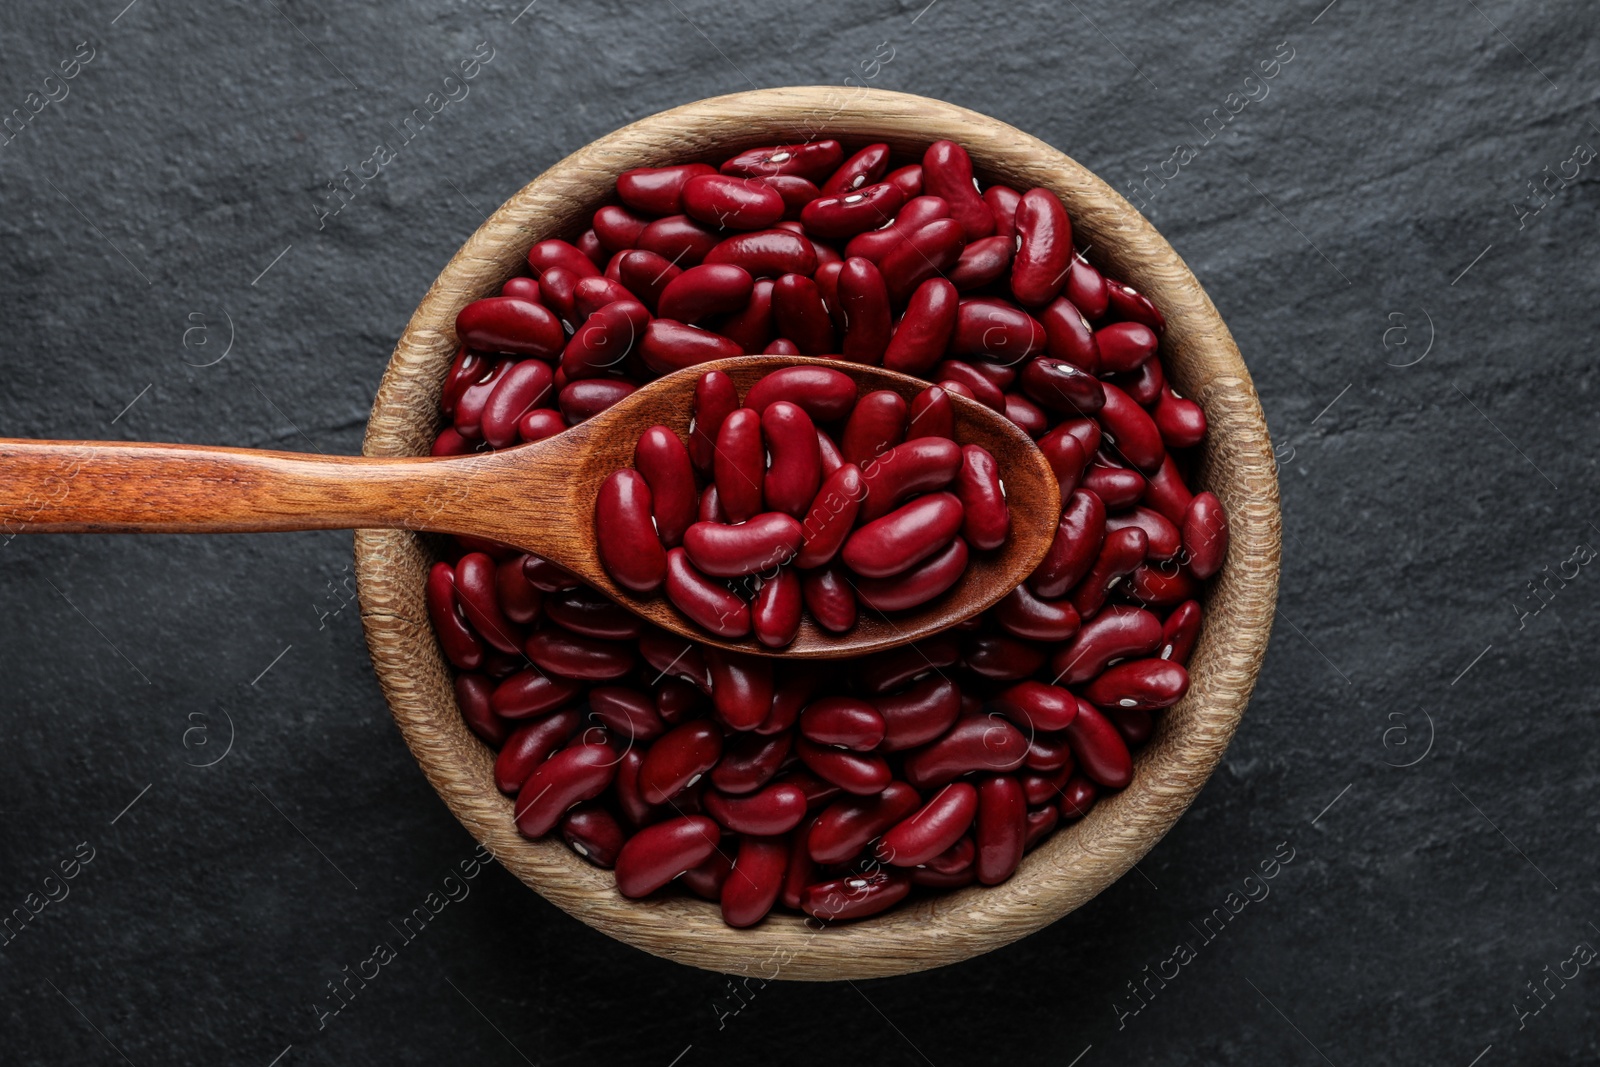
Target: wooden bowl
(1071, 866)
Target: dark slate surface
(1423, 345)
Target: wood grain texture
(1071, 866)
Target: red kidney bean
(530, 745)
(1148, 684)
(1121, 552)
(800, 314)
(741, 688)
(908, 179)
(1001, 658)
(981, 264)
(588, 398)
(670, 654)
(1075, 548)
(556, 253)
(1128, 303)
(1041, 787)
(540, 423)
(947, 173)
(1124, 346)
(919, 714)
(1049, 754)
(955, 859)
(1180, 632)
(752, 327)
(1181, 421)
(766, 253)
(843, 215)
(593, 833)
(885, 671)
(1060, 386)
(472, 697)
(1003, 201)
(782, 346)
(918, 585)
(1024, 615)
(1159, 588)
(1086, 288)
(795, 473)
(930, 415)
(1041, 823)
(661, 852)
(987, 519)
(978, 743)
(775, 611)
(854, 772)
(1077, 797)
(1035, 706)
(589, 244)
(777, 809)
(831, 516)
(1099, 750)
(664, 462)
(658, 190)
(709, 604)
(796, 191)
(928, 251)
(581, 658)
(1167, 494)
(1205, 535)
(846, 825)
(633, 807)
(848, 722)
(669, 345)
(908, 469)
(715, 398)
(1000, 375)
(731, 203)
(678, 759)
(586, 612)
(451, 443)
(521, 288)
(791, 691)
(528, 693)
(1163, 537)
(518, 597)
(1069, 337)
(824, 393)
(625, 533)
(739, 464)
(461, 646)
(592, 294)
(854, 896)
(757, 877)
(1131, 431)
(627, 713)
(923, 332)
(973, 380)
(1001, 829)
(955, 388)
(863, 303)
(829, 598)
(932, 879)
(518, 390)
(468, 369)
(646, 275)
(763, 543)
(704, 291)
(931, 829)
(749, 761)
(813, 160)
(575, 774)
(917, 213)
(710, 506)
(861, 169)
(558, 290)
(1119, 487)
(1044, 248)
(475, 593)
(1145, 385)
(1085, 431)
(680, 239)
(876, 425)
(1117, 633)
(904, 537)
(506, 324)
(676, 699)
(827, 279)
(617, 228)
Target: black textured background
(1423, 345)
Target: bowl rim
(1076, 862)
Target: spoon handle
(120, 487)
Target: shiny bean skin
(907, 178)
(1167, 494)
(854, 772)
(706, 878)
(904, 537)
(829, 599)
(658, 190)
(1035, 706)
(669, 345)
(588, 398)
(923, 333)
(791, 691)
(670, 655)
(978, 743)
(846, 826)
(947, 173)
(1001, 658)
(1044, 248)
(863, 304)
(775, 611)
(468, 369)
(976, 383)
(917, 213)
(731, 203)
(749, 761)
(520, 389)
(1121, 552)
(762, 543)
(981, 263)
(932, 250)
(877, 424)
(557, 253)
(860, 170)
(909, 469)
(451, 443)
(1077, 544)
(795, 470)
(506, 324)
(854, 896)
(955, 859)
(461, 646)
(584, 659)
(646, 275)
(931, 829)
(661, 852)
(518, 597)
(824, 393)
(575, 774)
(841, 216)
(781, 346)
(472, 697)
(521, 288)
(680, 239)
(1205, 535)
(1041, 823)
(1086, 288)
(1099, 750)
(796, 191)
(1001, 828)
(625, 533)
(757, 877)
(1147, 684)
(617, 228)
(530, 745)
(1181, 421)
(1119, 487)
(1069, 337)
(677, 700)
(920, 584)
(1025, 615)
(848, 722)
(558, 290)
(664, 462)
(1049, 754)
(1164, 539)
(776, 809)
(708, 603)
(884, 671)
(1157, 587)
(930, 415)
(678, 759)
(1128, 304)
(587, 612)
(1003, 201)
(1131, 429)
(740, 464)
(1060, 386)
(987, 519)
(1119, 632)
(1180, 632)
(801, 316)
(767, 253)
(593, 833)
(1124, 346)
(475, 575)
(1145, 385)
(540, 423)
(813, 160)
(741, 687)
(831, 517)
(528, 693)
(630, 715)
(704, 291)
(715, 398)
(592, 294)
(1077, 797)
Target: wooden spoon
(537, 497)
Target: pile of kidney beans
(833, 787)
(795, 515)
